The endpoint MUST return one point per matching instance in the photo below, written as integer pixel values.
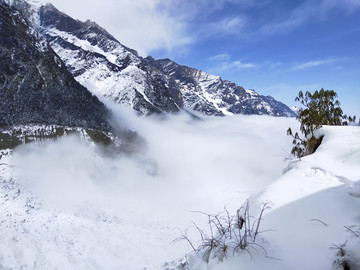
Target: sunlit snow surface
(63, 205)
(315, 206)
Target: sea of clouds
(202, 165)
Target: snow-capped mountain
(35, 85)
(107, 68)
(295, 109)
(211, 95)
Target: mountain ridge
(220, 97)
(108, 68)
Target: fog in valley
(201, 165)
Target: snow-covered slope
(314, 215)
(106, 67)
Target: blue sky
(276, 47)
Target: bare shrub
(228, 234)
(345, 257)
(341, 262)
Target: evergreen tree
(321, 108)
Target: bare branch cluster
(341, 262)
(228, 234)
(345, 258)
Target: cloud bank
(203, 166)
(197, 160)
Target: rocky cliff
(35, 85)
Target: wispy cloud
(229, 25)
(220, 57)
(204, 19)
(311, 64)
(223, 62)
(149, 25)
(240, 64)
(309, 11)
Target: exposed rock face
(35, 85)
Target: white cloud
(311, 64)
(220, 57)
(229, 25)
(140, 24)
(239, 64)
(149, 25)
(108, 210)
(223, 62)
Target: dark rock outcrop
(35, 86)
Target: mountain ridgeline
(53, 67)
(211, 95)
(108, 68)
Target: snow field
(63, 205)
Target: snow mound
(315, 211)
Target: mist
(203, 165)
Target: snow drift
(314, 221)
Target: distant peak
(91, 23)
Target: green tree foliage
(321, 108)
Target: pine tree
(321, 108)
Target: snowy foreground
(65, 206)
